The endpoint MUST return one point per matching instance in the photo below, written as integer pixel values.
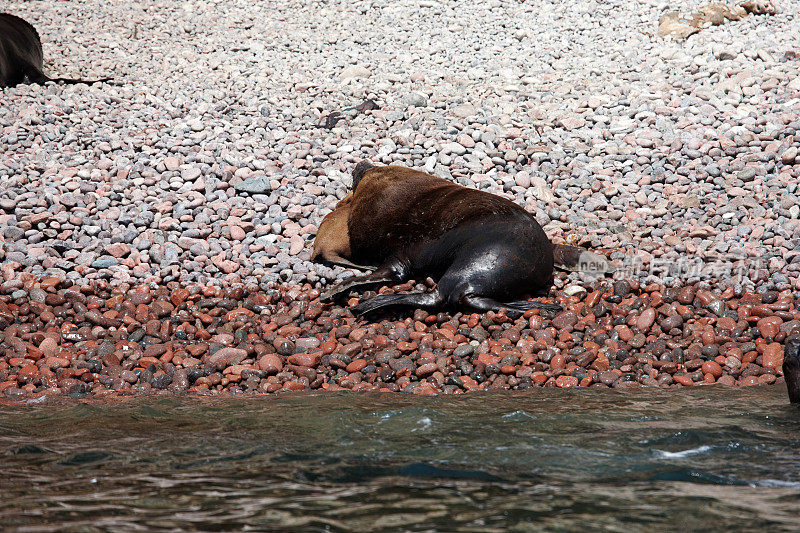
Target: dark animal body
(21, 55)
(791, 368)
(484, 251)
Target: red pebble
(304, 359)
(566, 381)
(772, 356)
(748, 381)
(356, 366)
(711, 367)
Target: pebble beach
(155, 230)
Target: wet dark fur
(791, 367)
(484, 251)
(21, 55)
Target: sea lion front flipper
(342, 262)
(379, 277)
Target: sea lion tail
(566, 257)
(359, 172)
(577, 259)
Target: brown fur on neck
(332, 243)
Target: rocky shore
(200, 174)
(97, 340)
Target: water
(712, 458)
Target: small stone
(237, 233)
(625, 333)
(297, 245)
(622, 288)
(565, 320)
(566, 381)
(415, 99)
(118, 250)
(769, 326)
(304, 359)
(464, 111)
(672, 321)
(172, 163)
(717, 307)
(28, 374)
(712, 367)
(356, 366)
(225, 357)
(190, 173)
(453, 148)
(772, 356)
(104, 263)
(574, 290)
(571, 123)
(464, 350)
(354, 72)
(789, 155)
(270, 363)
(522, 179)
(646, 319)
(686, 295)
(747, 174)
(254, 185)
(49, 347)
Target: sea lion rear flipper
(419, 300)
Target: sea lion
(791, 367)
(21, 55)
(484, 251)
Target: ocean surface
(712, 458)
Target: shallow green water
(713, 458)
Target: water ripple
(354, 462)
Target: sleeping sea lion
(484, 251)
